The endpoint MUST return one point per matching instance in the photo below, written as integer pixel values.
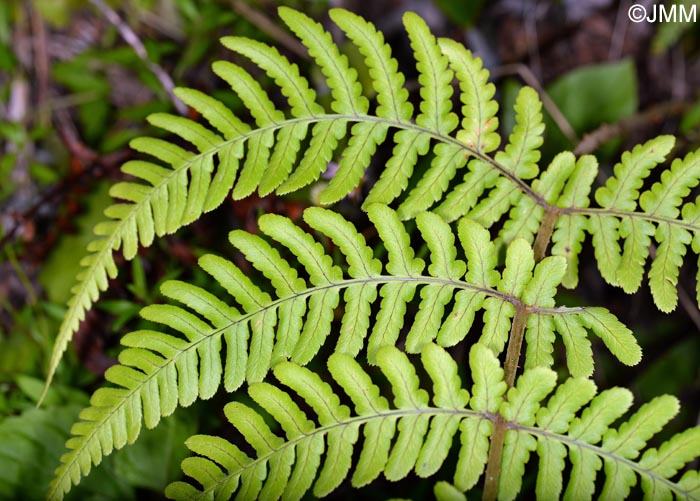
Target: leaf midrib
(379, 280)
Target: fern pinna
(417, 430)
(502, 200)
(160, 371)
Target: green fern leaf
(364, 139)
(637, 237)
(440, 240)
(434, 183)
(520, 157)
(448, 492)
(526, 215)
(521, 405)
(460, 200)
(161, 371)
(667, 460)
(520, 262)
(362, 265)
(434, 76)
(621, 193)
(295, 88)
(540, 337)
(324, 140)
(367, 400)
(541, 289)
(579, 354)
(618, 338)
(409, 145)
(386, 79)
(664, 199)
(605, 232)
(629, 438)
(286, 151)
(436, 114)
(521, 154)
(572, 425)
(622, 190)
(336, 426)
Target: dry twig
(593, 140)
(133, 40)
(269, 27)
(530, 79)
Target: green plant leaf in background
(93, 89)
(31, 445)
(460, 12)
(588, 97)
(154, 460)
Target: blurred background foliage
(76, 84)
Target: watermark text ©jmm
(660, 13)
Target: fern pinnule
(435, 79)
(301, 97)
(392, 104)
(479, 121)
(342, 80)
(569, 230)
(387, 81)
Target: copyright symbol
(637, 13)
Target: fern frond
(416, 430)
(286, 150)
(160, 371)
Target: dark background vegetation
(76, 84)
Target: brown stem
(656, 114)
(493, 466)
(515, 343)
(498, 435)
(136, 44)
(544, 234)
(530, 79)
